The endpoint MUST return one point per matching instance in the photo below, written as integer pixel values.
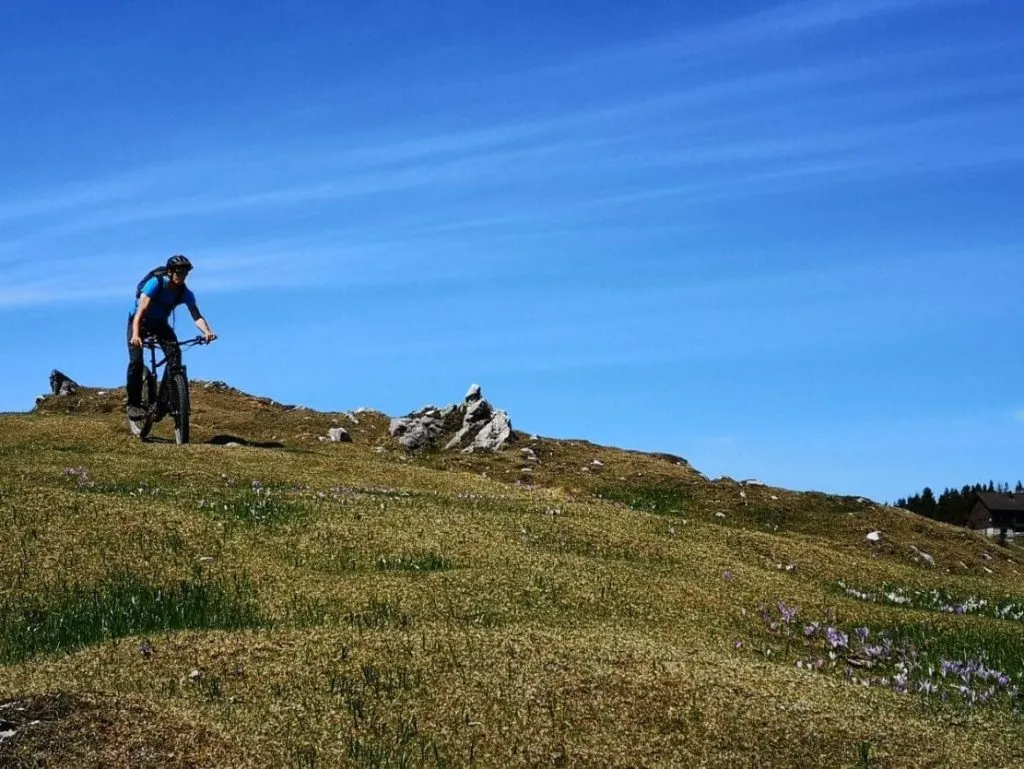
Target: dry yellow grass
(454, 610)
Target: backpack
(158, 272)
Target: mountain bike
(170, 398)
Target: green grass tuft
(124, 605)
(652, 499)
(415, 562)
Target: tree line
(952, 505)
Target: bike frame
(159, 406)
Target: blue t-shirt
(164, 298)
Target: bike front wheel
(140, 429)
(179, 406)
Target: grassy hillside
(287, 602)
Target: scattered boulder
(62, 384)
(339, 435)
(529, 455)
(874, 536)
(921, 555)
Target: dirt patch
(60, 729)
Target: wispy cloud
(775, 25)
(1018, 415)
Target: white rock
(495, 433)
(719, 515)
(339, 435)
(874, 536)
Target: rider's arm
(144, 302)
(201, 323)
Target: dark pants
(169, 344)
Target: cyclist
(157, 299)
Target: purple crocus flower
(788, 612)
(836, 638)
(862, 633)
(727, 576)
(811, 629)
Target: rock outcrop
(477, 426)
(62, 384)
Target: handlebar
(151, 342)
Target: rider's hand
(209, 337)
(136, 340)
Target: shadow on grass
(225, 440)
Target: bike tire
(180, 407)
(142, 428)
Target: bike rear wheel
(179, 406)
(141, 428)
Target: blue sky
(781, 240)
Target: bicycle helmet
(179, 262)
